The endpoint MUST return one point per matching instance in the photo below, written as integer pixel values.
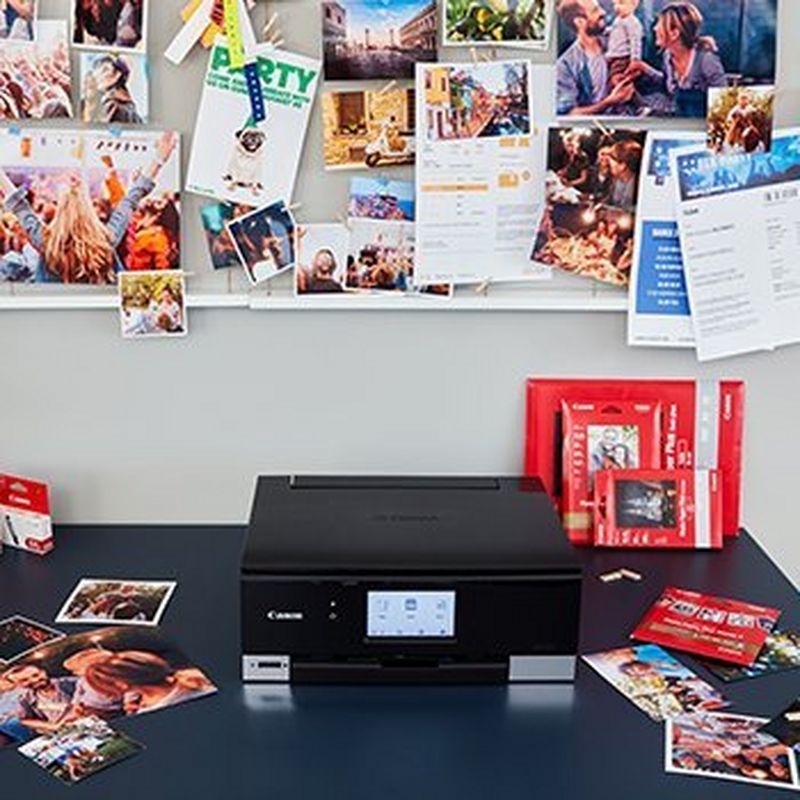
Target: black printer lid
(404, 525)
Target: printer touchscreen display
(411, 614)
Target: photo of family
(36, 78)
(377, 38)
(81, 207)
(526, 23)
(728, 747)
(781, 651)
(482, 100)
(126, 602)
(591, 186)
(111, 24)
(152, 304)
(19, 636)
(655, 682)
(114, 88)
(321, 259)
(265, 241)
(215, 217)
(645, 504)
(368, 129)
(106, 673)
(381, 198)
(740, 119)
(659, 58)
(612, 447)
(18, 19)
(80, 749)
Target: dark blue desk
(583, 741)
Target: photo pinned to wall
(111, 24)
(80, 749)
(321, 259)
(521, 23)
(114, 88)
(113, 196)
(364, 39)
(591, 186)
(658, 58)
(740, 119)
(18, 20)
(215, 217)
(104, 600)
(381, 198)
(381, 256)
(264, 241)
(19, 636)
(368, 129)
(152, 304)
(39, 83)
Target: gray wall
(177, 430)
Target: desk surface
(363, 743)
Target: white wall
(171, 431)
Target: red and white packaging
(658, 508)
(715, 627)
(602, 436)
(701, 428)
(25, 520)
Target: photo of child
(114, 88)
(18, 19)
(321, 259)
(264, 241)
(96, 600)
(111, 24)
(152, 304)
(215, 217)
(740, 119)
(19, 636)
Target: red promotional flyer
(25, 514)
(658, 508)
(701, 428)
(715, 627)
(603, 436)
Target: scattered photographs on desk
(591, 185)
(108, 672)
(377, 38)
(781, 652)
(728, 747)
(114, 88)
(240, 161)
(214, 217)
(39, 75)
(728, 40)
(521, 23)
(321, 259)
(740, 119)
(655, 682)
(77, 180)
(264, 241)
(80, 749)
(18, 20)
(153, 304)
(380, 198)
(786, 726)
(19, 635)
(111, 25)
(368, 129)
(106, 600)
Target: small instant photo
(740, 119)
(110, 25)
(116, 602)
(18, 20)
(265, 241)
(152, 304)
(321, 259)
(114, 88)
(19, 636)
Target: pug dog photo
(247, 160)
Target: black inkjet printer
(407, 580)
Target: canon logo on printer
(405, 518)
(284, 616)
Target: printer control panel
(411, 614)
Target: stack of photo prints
(60, 692)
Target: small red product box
(25, 520)
(702, 427)
(715, 627)
(602, 436)
(658, 508)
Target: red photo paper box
(701, 428)
(25, 520)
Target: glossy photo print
(110, 24)
(781, 652)
(153, 304)
(523, 23)
(740, 119)
(321, 259)
(114, 88)
(18, 20)
(380, 198)
(19, 635)
(659, 58)
(102, 601)
(265, 241)
(215, 217)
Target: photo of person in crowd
(18, 19)
(321, 259)
(36, 78)
(152, 304)
(623, 58)
(265, 241)
(740, 120)
(591, 186)
(114, 88)
(112, 24)
(381, 256)
(130, 602)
